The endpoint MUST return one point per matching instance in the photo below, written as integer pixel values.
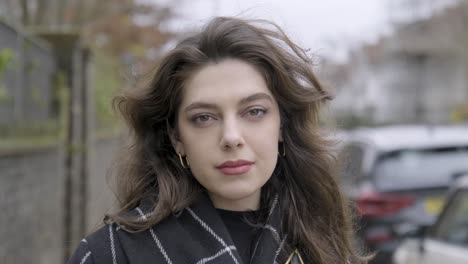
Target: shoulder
(82, 254)
(102, 246)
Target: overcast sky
(327, 27)
(324, 26)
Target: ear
(176, 142)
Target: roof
(412, 136)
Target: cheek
(196, 145)
(265, 138)
(267, 158)
(265, 145)
(269, 152)
(188, 137)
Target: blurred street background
(394, 65)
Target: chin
(236, 194)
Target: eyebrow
(248, 99)
(255, 97)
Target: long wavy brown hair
(316, 216)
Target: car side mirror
(417, 231)
(420, 234)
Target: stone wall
(101, 197)
(31, 197)
(32, 201)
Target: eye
(256, 112)
(202, 119)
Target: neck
(250, 203)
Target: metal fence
(27, 70)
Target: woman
(226, 163)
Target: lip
(235, 167)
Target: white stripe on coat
(279, 249)
(221, 252)
(207, 228)
(273, 206)
(274, 232)
(155, 238)
(85, 257)
(112, 245)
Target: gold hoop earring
(182, 161)
(295, 257)
(284, 150)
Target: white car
(446, 242)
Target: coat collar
(198, 235)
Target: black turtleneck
(242, 232)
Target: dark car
(399, 176)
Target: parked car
(398, 176)
(447, 240)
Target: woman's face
(229, 127)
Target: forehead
(228, 80)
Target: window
(420, 168)
(453, 225)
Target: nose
(231, 134)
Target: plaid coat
(197, 235)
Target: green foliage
(16, 136)
(29, 129)
(61, 94)
(7, 58)
(4, 95)
(107, 83)
(20, 144)
(37, 97)
(26, 135)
